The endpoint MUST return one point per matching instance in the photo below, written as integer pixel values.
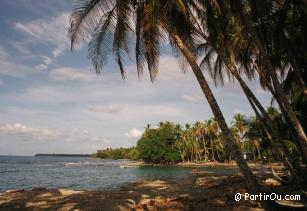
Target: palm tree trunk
(230, 143)
(212, 148)
(247, 90)
(267, 124)
(205, 149)
(284, 102)
(282, 97)
(279, 150)
(294, 120)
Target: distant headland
(63, 155)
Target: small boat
(128, 166)
(196, 171)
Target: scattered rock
(39, 189)
(272, 182)
(15, 191)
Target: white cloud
(20, 129)
(193, 98)
(52, 31)
(169, 70)
(46, 60)
(134, 133)
(10, 68)
(41, 67)
(72, 135)
(72, 74)
(110, 109)
(56, 52)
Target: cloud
(193, 98)
(52, 31)
(20, 129)
(110, 109)
(56, 52)
(10, 68)
(35, 133)
(169, 70)
(41, 67)
(71, 74)
(134, 133)
(47, 60)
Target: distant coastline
(63, 155)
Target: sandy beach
(200, 191)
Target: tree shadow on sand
(202, 192)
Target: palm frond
(139, 44)
(122, 28)
(100, 45)
(85, 17)
(151, 35)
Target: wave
(93, 163)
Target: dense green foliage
(118, 153)
(254, 38)
(158, 145)
(171, 143)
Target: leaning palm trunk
(279, 150)
(283, 102)
(281, 96)
(291, 114)
(233, 145)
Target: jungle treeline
(170, 143)
(238, 40)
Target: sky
(51, 100)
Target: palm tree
(229, 32)
(267, 63)
(107, 24)
(212, 129)
(231, 48)
(240, 124)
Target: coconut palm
(240, 124)
(270, 60)
(212, 129)
(108, 26)
(234, 48)
(229, 31)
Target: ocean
(78, 173)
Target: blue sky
(51, 101)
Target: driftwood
(276, 177)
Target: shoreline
(210, 164)
(202, 191)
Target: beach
(196, 191)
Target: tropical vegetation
(170, 143)
(251, 38)
(118, 153)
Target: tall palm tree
(226, 25)
(198, 132)
(212, 129)
(240, 124)
(108, 26)
(267, 63)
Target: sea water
(79, 173)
